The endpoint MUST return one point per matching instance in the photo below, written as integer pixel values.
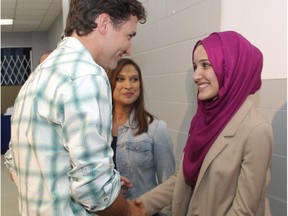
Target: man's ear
(103, 21)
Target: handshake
(136, 206)
(122, 206)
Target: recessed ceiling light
(6, 21)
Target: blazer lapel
(220, 143)
(215, 149)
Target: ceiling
(30, 15)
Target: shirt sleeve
(163, 152)
(87, 135)
(8, 159)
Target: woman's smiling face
(204, 75)
(127, 86)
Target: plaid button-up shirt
(60, 154)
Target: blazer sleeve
(254, 171)
(159, 197)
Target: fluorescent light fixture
(6, 21)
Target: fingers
(137, 208)
(138, 202)
(123, 191)
(125, 182)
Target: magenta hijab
(237, 65)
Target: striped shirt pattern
(60, 153)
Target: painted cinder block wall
(163, 49)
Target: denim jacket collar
(130, 122)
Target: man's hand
(125, 184)
(137, 207)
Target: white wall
(264, 22)
(40, 42)
(65, 9)
(55, 32)
(36, 40)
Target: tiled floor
(9, 204)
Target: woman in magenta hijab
(225, 168)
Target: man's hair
(83, 13)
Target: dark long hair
(142, 116)
(83, 13)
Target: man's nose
(129, 50)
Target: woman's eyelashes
(203, 64)
(132, 79)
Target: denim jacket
(146, 159)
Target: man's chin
(109, 66)
(113, 65)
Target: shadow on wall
(279, 124)
(191, 94)
(277, 190)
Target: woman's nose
(127, 84)
(196, 75)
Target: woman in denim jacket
(141, 142)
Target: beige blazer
(233, 177)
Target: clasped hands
(136, 206)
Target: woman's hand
(125, 184)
